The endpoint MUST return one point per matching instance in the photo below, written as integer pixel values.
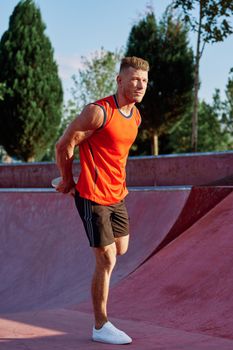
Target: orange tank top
(103, 155)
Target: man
(104, 132)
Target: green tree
(96, 79)
(98, 76)
(212, 135)
(227, 115)
(2, 91)
(32, 105)
(212, 24)
(165, 46)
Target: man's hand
(66, 187)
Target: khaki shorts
(102, 223)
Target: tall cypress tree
(30, 111)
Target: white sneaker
(110, 334)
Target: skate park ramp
(45, 254)
(188, 284)
(172, 290)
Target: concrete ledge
(167, 170)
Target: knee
(121, 250)
(105, 260)
(122, 245)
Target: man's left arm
(79, 130)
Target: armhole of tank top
(139, 119)
(105, 115)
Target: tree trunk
(155, 144)
(195, 110)
(196, 87)
(30, 159)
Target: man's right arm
(82, 127)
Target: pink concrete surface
(29, 175)
(45, 254)
(199, 202)
(179, 297)
(183, 169)
(188, 284)
(62, 329)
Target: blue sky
(78, 28)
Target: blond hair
(134, 62)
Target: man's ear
(118, 79)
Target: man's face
(132, 84)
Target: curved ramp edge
(201, 200)
(188, 284)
